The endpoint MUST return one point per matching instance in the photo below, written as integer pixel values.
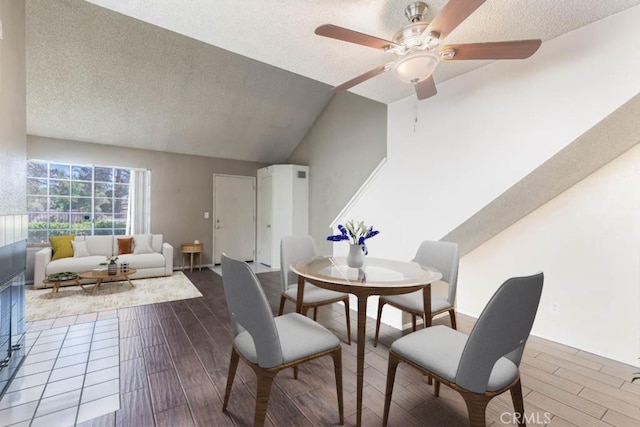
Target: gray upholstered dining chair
(267, 344)
(444, 257)
(292, 250)
(485, 363)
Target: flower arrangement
(357, 233)
(112, 259)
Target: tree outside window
(76, 199)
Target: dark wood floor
(174, 359)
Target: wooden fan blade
(451, 15)
(361, 78)
(344, 34)
(426, 88)
(517, 49)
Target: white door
(265, 221)
(234, 219)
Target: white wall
(587, 242)
(343, 147)
(488, 129)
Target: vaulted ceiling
(240, 80)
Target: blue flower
(371, 233)
(338, 237)
(357, 233)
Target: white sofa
(158, 263)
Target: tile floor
(71, 374)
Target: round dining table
(376, 277)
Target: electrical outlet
(555, 307)
(206, 215)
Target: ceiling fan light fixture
(416, 66)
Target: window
(85, 200)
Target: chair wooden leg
(265, 381)
(518, 403)
(337, 367)
(315, 313)
(347, 313)
(477, 407)
(436, 388)
(282, 300)
(452, 316)
(391, 376)
(413, 322)
(380, 305)
(233, 366)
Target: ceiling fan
(417, 46)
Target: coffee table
(100, 276)
(57, 282)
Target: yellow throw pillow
(61, 246)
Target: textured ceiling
(98, 76)
(281, 32)
(240, 80)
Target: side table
(191, 249)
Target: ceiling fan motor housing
(416, 11)
(412, 36)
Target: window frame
(71, 203)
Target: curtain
(139, 209)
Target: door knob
(268, 225)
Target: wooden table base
(362, 333)
(100, 276)
(363, 295)
(363, 288)
(56, 284)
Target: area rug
(72, 300)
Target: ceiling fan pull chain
(415, 115)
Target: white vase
(355, 259)
(112, 268)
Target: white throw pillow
(142, 244)
(79, 249)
